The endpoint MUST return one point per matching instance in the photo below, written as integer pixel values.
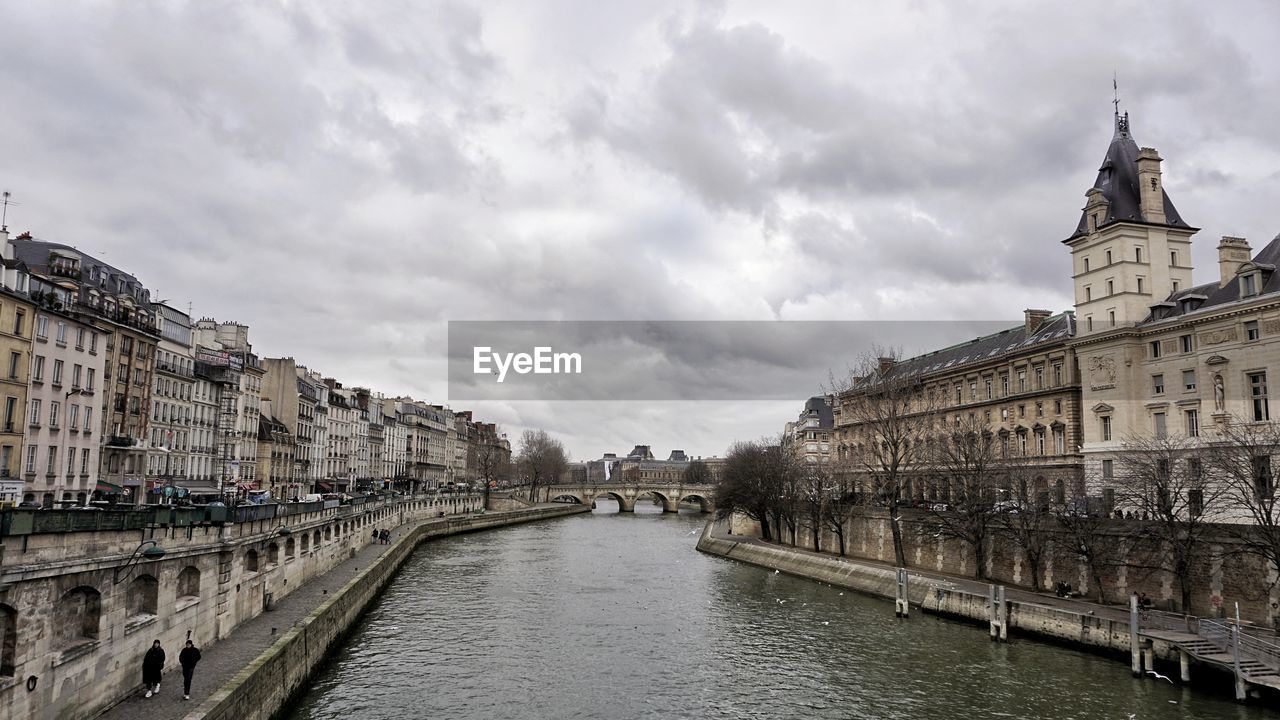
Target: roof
(1054, 330)
(1210, 296)
(821, 407)
(1118, 181)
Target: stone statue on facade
(1219, 393)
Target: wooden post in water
(999, 613)
(1184, 664)
(901, 605)
(1135, 653)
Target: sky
(348, 178)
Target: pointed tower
(1131, 248)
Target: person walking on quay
(386, 537)
(152, 666)
(188, 658)
(377, 535)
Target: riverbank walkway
(221, 661)
(1204, 640)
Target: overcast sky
(347, 177)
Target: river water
(618, 616)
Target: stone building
(810, 435)
(293, 403)
(16, 313)
(1021, 383)
(277, 467)
(120, 306)
(226, 360)
(172, 405)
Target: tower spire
(1122, 121)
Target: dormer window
(1249, 285)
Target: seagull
(1158, 676)
(775, 572)
(826, 622)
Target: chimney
(1150, 192)
(1232, 253)
(1035, 318)
(884, 363)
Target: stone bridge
(669, 494)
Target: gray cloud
(345, 177)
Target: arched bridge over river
(669, 494)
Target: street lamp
(153, 552)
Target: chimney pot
(1232, 253)
(1035, 318)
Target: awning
(324, 486)
(106, 487)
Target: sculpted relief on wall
(1217, 337)
(1102, 372)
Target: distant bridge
(669, 494)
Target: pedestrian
(376, 535)
(188, 658)
(152, 666)
(386, 537)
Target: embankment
(262, 688)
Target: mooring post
(999, 614)
(1135, 656)
(1242, 689)
(1004, 617)
(1184, 665)
(901, 606)
(1148, 655)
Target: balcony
(121, 441)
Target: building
(277, 466)
(293, 404)
(118, 304)
(172, 406)
(810, 435)
(16, 313)
(226, 360)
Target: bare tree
(1163, 481)
(1026, 516)
(492, 463)
(542, 459)
(841, 502)
(965, 460)
(1089, 536)
(883, 403)
(1240, 458)
(814, 482)
(696, 473)
(752, 484)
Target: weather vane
(4, 213)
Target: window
(84, 461)
(1159, 424)
(1157, 384)
(1154, 345)
(1111, 317)
(93, 342)
(88, 418)
(1105, 421)
(1057, 407)
(1139, 285)
(18, 319)
(989, 389)
(1195, 501)
(37, 368)
(71, 462)
(1258, 393)
(1059, 440)
(1262, 479)
(62, 333)
(973, 391)
(31, 460)
(14, 359)
(1039, 442)
(1039, 377)
(1039, 409)
(1173, 257)
(1108, 257)
(1022, 411)
(1175, 286)
(1022, 381)
(42, 327)
(1189, 379)
(35, 412)
(73, 416)
(1004, 385)
(1137, 254)
(57, 372)
(1057, 374)
(10, 409)
(1022, 443)
(1088, 321)
(1108, 469)
(79, 338)
(1185, 343)
(54, 407)
(1251, 330)
(1193, 423)
(959, 392)
(1248, 285)
(76, 370)
(88, 379)
(52, 467)
(1088, 293)
(1086, 264)
(1111, 287)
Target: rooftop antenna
(4, 213)
(1115, 89)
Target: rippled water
(618, 616)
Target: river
(617, 616)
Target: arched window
(273, 554)
(289, 547)
(189, 582)
(316, 540)
(328, 532)
(144, 592)
(306, 542)
(75, 620)
(251, 561)
(8, 640)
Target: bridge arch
(668, 504)
(704, 505)
(624, 505)
(569, 496)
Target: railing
(1251, 647)
(1172, 622)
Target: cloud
(347, 177)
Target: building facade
(16, 313)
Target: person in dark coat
(152, 666)
(188, 658)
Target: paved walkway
(967, 584)
(220, 661)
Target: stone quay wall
(260, 690)
(935, 596)
(74, 622)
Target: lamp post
(153, 551)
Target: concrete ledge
(264, 686)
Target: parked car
(30, 504)
(1006, 506)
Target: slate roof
(1118, 181)
(819, 406)
(1210, 296)
(1054, 330)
